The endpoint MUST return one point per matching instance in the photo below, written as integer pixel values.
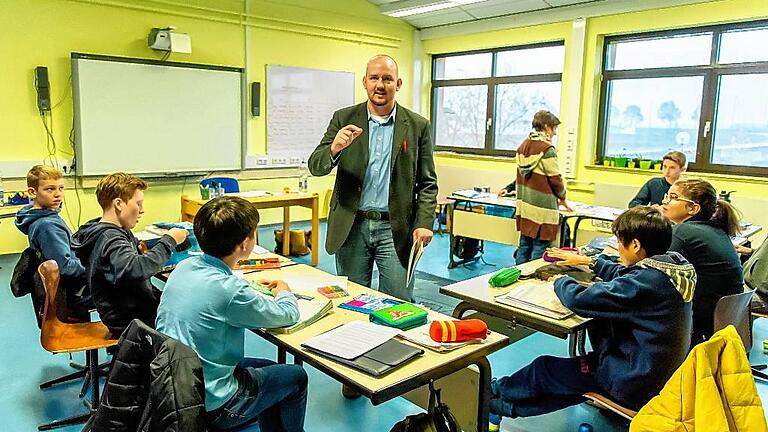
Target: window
(483, 102)
(700, 91)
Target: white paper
(352, 339)
(252, 194)
(258, 250)
(417, 250)
(538, 298)
(310, 283)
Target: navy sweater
(652, 192)
(640, 328)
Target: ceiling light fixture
(415, 7)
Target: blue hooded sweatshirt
(49, 235)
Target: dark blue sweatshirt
(118, 273)
(641, 322)
(652, 192)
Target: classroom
(214, 147)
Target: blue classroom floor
(25, 364)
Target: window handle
(488, 123)
(707, 126)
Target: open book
(309, 312)
(417, 250)
(535, 297)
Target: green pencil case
(504, 277)
(403, 316)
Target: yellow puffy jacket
(712, 391)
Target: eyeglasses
(669, 197)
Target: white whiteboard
(300, 103)
(150, 118)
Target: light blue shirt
(208, 308)
(375, 194)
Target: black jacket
(155, 384)
(118, 273)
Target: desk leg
(462, 307)
(286, 231)
(483, 393)
(315, 230)
(281, 355)
(577, 344)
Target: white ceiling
(472, 12)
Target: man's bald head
(385, 59)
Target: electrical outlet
(295, 160)
(279, 161)
(262, 161)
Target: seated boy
(118, 272)
(208, 308)
(673, 165)
(640, 328)
(50, 237)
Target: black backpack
(438, 417)
(465, 247)
(25, 280)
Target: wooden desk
(9, 211)
(475, 294)
(419, 372)
(190, 206)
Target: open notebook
(309, 312)
(535, 297)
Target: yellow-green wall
(597, 28)
(330, 34)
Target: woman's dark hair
(719, 212)
(223, 223)
(544, 118)
(648, 226)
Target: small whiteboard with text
(300, 103)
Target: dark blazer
(413, 184)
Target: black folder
(379, 361)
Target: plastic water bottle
(2, 191)
(494, 423)
(219, 190)
(303, 176)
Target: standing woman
(702, 233)
(540, 189)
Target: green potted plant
(645, 163)
(657, 165)
(621, 160)
(607, 161)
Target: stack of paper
(420, 335)
(417, 250)
(252, 194)
(535, 297)
(351, 340)
(309, 312)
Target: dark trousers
(530, 249)
(547, 384)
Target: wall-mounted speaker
(43, 89)
(255, 98)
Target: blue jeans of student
(530, 249)
(274, 394)
(369, 242)
(547, 384)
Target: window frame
(491, 84)
(711, 74)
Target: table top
(9, 211)
(379, 389)
(274, 197)
(478, 291)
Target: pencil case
(403, 316)
(504, 277)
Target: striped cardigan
(539, 186)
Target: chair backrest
(49, 273)
(229, 184)
(734, 310)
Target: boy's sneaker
(494, 423)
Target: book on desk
(538, 298)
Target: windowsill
(470, 156)
(657, 173)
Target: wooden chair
(59, 337)
(604, 403)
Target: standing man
(386, 187)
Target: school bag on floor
(438, 417)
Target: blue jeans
(371, 241)
(530, 249)
(547, 384)
(274, 394)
